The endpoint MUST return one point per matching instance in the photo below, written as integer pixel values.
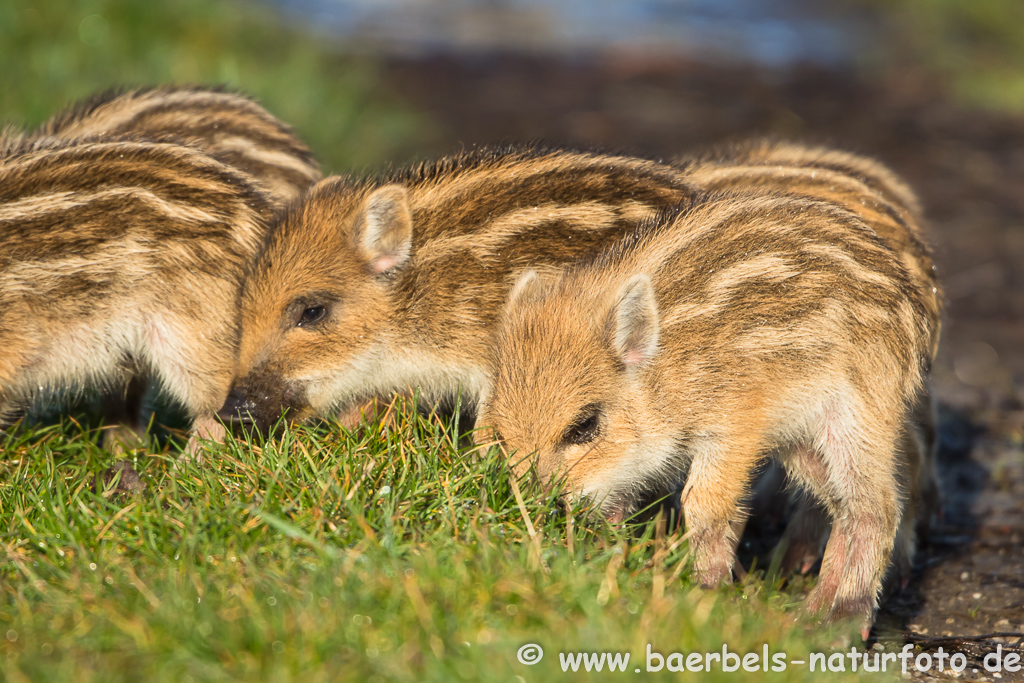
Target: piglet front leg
(717, 482)
(205, 428)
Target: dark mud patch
(969, 575)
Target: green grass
(57, 51)
(325, 555)
(382, 554)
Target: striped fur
(233, 128)
(230, 127)
(749, 325)
(410, 269)
(856, 183)
(118, 250)
(883, 202)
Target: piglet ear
(633, 323)
(528, 287)
(384, 229)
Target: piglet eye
(586, 427)
(311, 314)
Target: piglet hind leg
(711, 500)
(804, 536)
(920, 498)
(866, 508)
(808, 528)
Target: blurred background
(934, 88)
(369, 81)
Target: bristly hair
(487, 156)
(87, 106)
(12, 140)
(646, 230)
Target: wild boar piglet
(371, 287)
(122, 252)
(741, 327)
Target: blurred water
(771, 32)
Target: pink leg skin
(372, 410)
(715, 553)
(862, 489)
(855, 560)
(808, 529)
(827, 599)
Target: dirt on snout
(968, 167)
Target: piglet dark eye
(586, 427)
(311, 314)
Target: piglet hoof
(712, 573)
(194, 452)
(711, 578)
(204, 429)
(371, 411)
(208, 428)
(853, 616)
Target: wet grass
(383, 554)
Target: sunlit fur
(785, 326)
(231, 127)
(884, 203)
(118, 250)
(414, 266)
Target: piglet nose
(237, 408)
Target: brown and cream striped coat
(371, 287)
(231, 127)
(886, 205)
(118, 250)
(747, 325)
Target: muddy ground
(968, 167)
